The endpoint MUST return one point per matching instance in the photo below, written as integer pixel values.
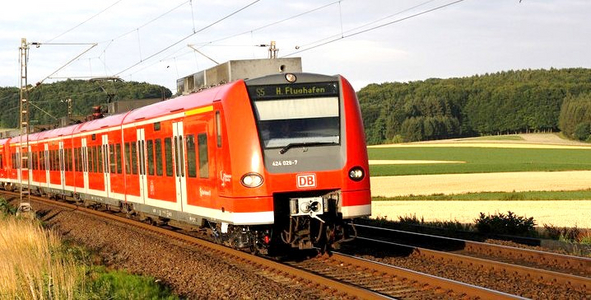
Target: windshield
(283, 122)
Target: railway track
(549, 270)
(338, 276)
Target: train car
(276, 160)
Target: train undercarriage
(302, 221)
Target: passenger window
(168, 155)
(127, 150)
(158, 144)
(151, 157)
(134, 158)
(112, 158)
(118, 154)
(218, 128)
(100, 159)
(203, 158)
(191, 156)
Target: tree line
(49, 102)
(500, 103)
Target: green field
(478, 160)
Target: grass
(36, 264)
(511, 196)
(32, 265)
(478, 160)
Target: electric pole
(23, 153)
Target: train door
(106, 169)
(179, 163)
(141, 152)
(85, 164)
(46, 162)
(62, 163)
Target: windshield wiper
(293, 145)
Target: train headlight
(356, 174)
(251, 180)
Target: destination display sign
(298, 90)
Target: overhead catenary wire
(84, 22)
(376, 27)
(273, 23)
(188, 36)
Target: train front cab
(314, 156)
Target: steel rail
(581, 264)
(464, 289)
(527, 272)
(294, 274)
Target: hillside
(506, 102)
(48, 101)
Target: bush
(582, 131)
(505, 224)
(5, 208)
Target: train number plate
(306, 180)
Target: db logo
(306, 180)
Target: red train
(274, 160)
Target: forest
(48, 102)
(500, 103)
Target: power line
(273, 23)
(145, 24)
(188, 36)
(370, 23)
(94, 16)
(377, 27)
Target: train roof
(155, 110)
(106, 122)
(181, 103)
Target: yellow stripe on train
(199, 110)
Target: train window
(134, 158)
(127, 150)
(203, 158)
(1, 161)
(35, 160)
(90, 159)
(112, 164)
(191, 156)
(168, 155)
(79, 160)
(84, 159)
(157, 126)
(158, 146)
(150, 157)
(312, 120)
(218, 128)
(62, 161)
(94, 137)
(118, 154)
(76, 160)
(69, 156)
(65, 157)
(99, 153)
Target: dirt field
(391, 186)
(558, 213)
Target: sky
(366, 41)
